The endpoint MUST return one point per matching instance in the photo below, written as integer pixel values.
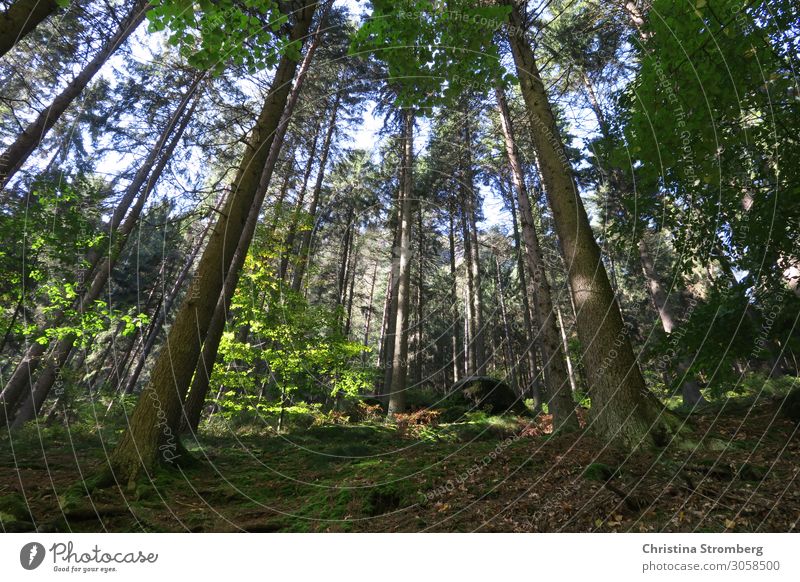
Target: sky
(362, 134)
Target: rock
(490, 394)
(791, 406)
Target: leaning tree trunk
(658, 295)
(622, 408)
(397, 388)
(21, 18)
(161, 315)
(16, 386)
(50, 372)
(559, 398)
(15, 155)
(150, 433)
(198, 390)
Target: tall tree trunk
(512, 358)
(527, 313)
(204, 361)
(21, 18)
(16, 386)
(368, 315)
(351, 291)
(559, 398)
(15, 155)
(386, 342)
(344, 261)
(622, 408)
(162, 313)
(150, 430)
(471, 361)
(457, 355)
(478, 331)
(420, 303)
(397, 388)
(288, 246)
(305, 245)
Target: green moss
(14, 507)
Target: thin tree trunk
(457, 359)
(305, 245)
(19, 381)
(622, 408)
(161, 314)
(288, 246)
(394, 274)
(351, 292)
(527, 314)
(386, 332)
(18, 152)
(420, 304)
(49, 373)
(151, 428)
(21, 18)
(471, 361)
(368, 316)
(478, 333)
(344, 261)
(572, 383)
(512, 358)
(397, 388)
(559, 400)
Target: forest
(399, 265)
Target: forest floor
(489, 474)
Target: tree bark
(150, 433)
(21, 18)
(528, 316)
(397, 388)
(17, 153)
(622, 408)
(559, 398)
(195, 394)
(470, 359)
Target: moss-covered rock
(490, 394)
(791, 406)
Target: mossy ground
(482, 474)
